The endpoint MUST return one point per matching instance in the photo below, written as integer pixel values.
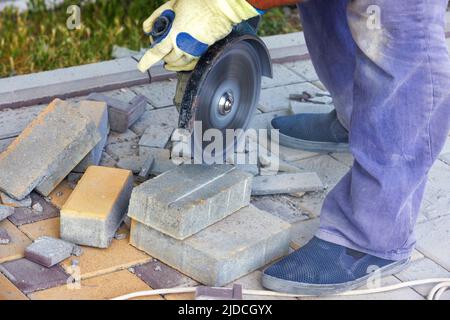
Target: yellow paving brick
(97, 206)
(8, 291)
(60, 194)
(19, 241)
(97, 192)
(99, 288)
(49, 228)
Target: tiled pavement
(122, 268)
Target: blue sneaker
(324, 268)
(316, 132)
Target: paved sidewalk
(121, 268)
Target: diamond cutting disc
(228, 95)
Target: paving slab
(16, 247)
(104, 287)
(252, 281)
(48, 251)
(14, 121)
(49, 228)
(437, 193)
(97, 206)
(160, 276)
(47, 150)
(8, 291)
(344, 157)
(107, 160)
(30, 277)
(23, 216)
(433, 240)
(4, 143)
(227, 250)
(190, 198)
(166, 116)
(309, 107)
(303, 68)
(286, 183)
(401, 294)
(262, 120)
(281, 207)
(159, 94)
(424, 269)
(274, 99)
(122, 145)
(132, 163)
(122, 114)
(282, 76)
(161, 159)
(156, 136)
(5, 212)
(98, 113)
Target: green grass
(38, 40)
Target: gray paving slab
(160, 276)
(274, 99)
(308, 107)
(424, 269)
(5, 212)
(122, 145)
(190, 198)
(48, 251)
(282, 76)
(304, 69)
(23, 216)
(159, 94)
(7, 200)
(98, 113)
(156, 136)
(437, 193)
(14, 121)
(229, 249)
(286, 183)
(165, 117)
(281, 207)
(4, 144)
(53, 144)
(343, 157)
(161, 159)
(30, 277)
(433, 240)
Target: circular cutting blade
(228, 96)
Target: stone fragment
(48, 251)
(286, 183)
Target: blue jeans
(389, 75)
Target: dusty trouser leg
(332, 50)
(399, 123)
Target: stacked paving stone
(197, 219)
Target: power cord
(443, 284)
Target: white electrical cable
(443, 284)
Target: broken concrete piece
(8, 201)
(190, 198)
(5, 212)
(122, 115)
(4, 237)
(132, 163)
(227, 250)
(77, 251)
(146, 167)
(98, 113)
(48, 251)
(47, 150)
(96, 207)
(286, 183)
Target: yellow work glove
(194, 26)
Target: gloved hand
(196, 25)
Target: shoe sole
(312, 146)
(291, 287)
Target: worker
(390, 82)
